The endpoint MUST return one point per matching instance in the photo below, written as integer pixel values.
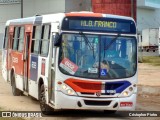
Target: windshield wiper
(108, 46)
(88, 43)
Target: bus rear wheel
(15, 91)
(46, 110)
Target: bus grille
(97, 103)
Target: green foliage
(153, 60)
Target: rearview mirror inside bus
(57, 39)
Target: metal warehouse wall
(33, 7)
(148, 18)
(8, 11)
(118, 7)
(77, 5)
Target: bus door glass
(26, 54)
(53, 59)
(9, 47)
(26, 57)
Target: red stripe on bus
(84, 85)
(84, 14)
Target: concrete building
(148, 14)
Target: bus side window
(36, 37)
(5, 43)
(21, 39)
(45, 40)
(16, 38)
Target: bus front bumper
(64, 101)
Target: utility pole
(21, 8)
(132, 8)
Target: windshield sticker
(103, 72)
(92, 70)
(69, 66)
(113, 62)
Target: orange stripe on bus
(84, 14)
(83, 85)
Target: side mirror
(57, 39)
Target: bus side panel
(4, 64)
(33, 84)
(17, 64)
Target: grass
(152, 60)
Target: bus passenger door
(52, 61)
(9, 48)
(52, 81)
(26, 57)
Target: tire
(46, 110)
(15, 91)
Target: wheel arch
(11, 74)
(40, 82)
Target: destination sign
(99, 25)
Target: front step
(25, 93)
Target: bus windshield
(98, 56)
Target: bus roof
(58, 17)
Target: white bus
(78, 60)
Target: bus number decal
(14, 59)
(69, 66)
(34, 64)
(34, 68)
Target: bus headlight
(66, 89)
(128, 91)
(125, 93)
(70, 92)
(64, 86)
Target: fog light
(70, 92)
(64, 87)
(125, 93)
(134, 85)
(130, 89)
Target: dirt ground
(148, 76)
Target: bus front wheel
(15, 91)
(46, 110)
